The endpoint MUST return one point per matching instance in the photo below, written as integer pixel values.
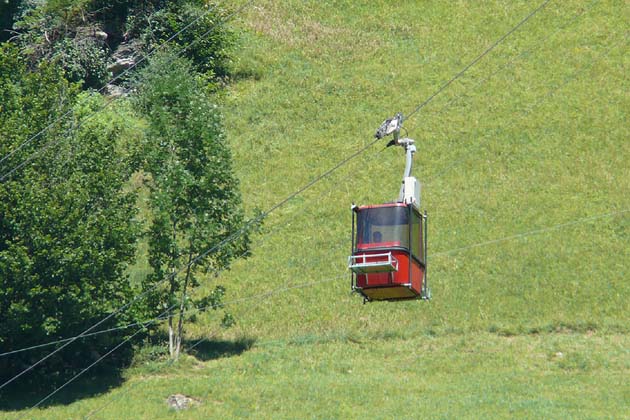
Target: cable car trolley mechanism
(389, 241)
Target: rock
(114, 91)
(123, 58)
(100, 35)
(91, 31)
(181, 402)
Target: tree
(8, 11)
(195, 202)
(62, 30)
(66, 221)
(206, 43)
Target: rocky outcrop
(114, 91)
(124, 57)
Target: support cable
(241, 231)
(144, 323)
(202, 339)
(69, 381)
(124, 327)
(442, 253)
(531, 232)
(521, 235)
(455, 250)
(40, 402)
(512, 61)
(543, 98)
(479, 57)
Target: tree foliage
(205, 43)
(195, 202)
(63, 31)
(68, 230)
(66, 221)
(83, 35)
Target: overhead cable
(479, 57)
(544, 97)
(531, 232)
(76, 376)
(539, 43)
(241, 231)
(442, 253)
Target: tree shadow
(66, 377)
(92, 384)
(216, 349)
(26, 396)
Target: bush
(66, 223)
(207, 44)
(84, 60)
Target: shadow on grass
(25, 397)
(92, 384)
(215, 349)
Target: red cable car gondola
(389, 241)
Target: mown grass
(450, 376)
(533, 326)
(541, 143)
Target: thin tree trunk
(171, 337)
(171, 330)
(180, 324)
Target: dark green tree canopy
(66, 221)
(68, 226)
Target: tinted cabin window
(416, 236)
(387, 226)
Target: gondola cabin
(388, 260)
(389, 241)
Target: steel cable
(237, 234)
(476, 60)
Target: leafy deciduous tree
(194, 198)
(66, 220)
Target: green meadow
(524, 162)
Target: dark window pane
(383, 225)
(416, 236)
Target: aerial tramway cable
(233, 237)
(314, 181)
(479, 57)
(328, 280)
(512, 237)
(281, 203)
(501, 68)
(540, 100)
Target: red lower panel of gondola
(405, 283)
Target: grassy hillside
(540, 143)
(526, 178)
